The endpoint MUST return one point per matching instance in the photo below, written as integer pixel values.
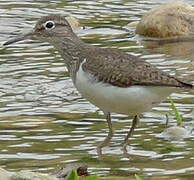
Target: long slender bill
(19, 38)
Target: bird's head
(48, 28)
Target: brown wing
(123, 70)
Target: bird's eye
(49, 25)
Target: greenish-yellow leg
(110, 133)
(133, 126)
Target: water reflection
(44, 120)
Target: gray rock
(75, 25)
(4, 175)
(29, 175)
(176, 133)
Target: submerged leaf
(92, 178)
(138, 177)
(72, 175)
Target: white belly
(131, 101)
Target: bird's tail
(187, 85)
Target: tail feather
(187, 85)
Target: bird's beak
(29, 35)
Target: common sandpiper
(108, 78)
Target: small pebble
(176, 133)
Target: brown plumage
(60, 20)
(120, 69)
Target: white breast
(131, 100)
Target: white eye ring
(49, 25)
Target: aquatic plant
(179, 117)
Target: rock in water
(75, 25)
(29, 175)
(4, 175)
(176, 133)
(168, 20)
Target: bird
(112, 80)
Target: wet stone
(28, 175)
(176, 133)
(75, 25)
(4, 175)
(168, 20)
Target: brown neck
(70, 49)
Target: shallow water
(44, 122)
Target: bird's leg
(110, 133)
(133, 126)
(108, 119)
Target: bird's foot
(124, 147)
(104, 143)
